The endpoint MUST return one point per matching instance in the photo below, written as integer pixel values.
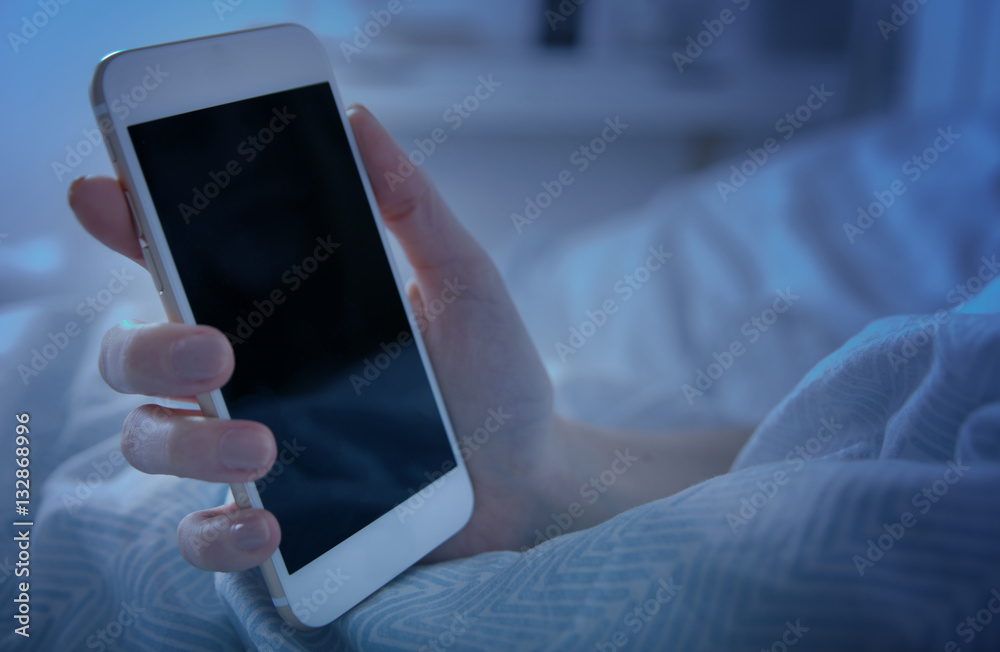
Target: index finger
(100, 206)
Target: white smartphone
(255, 216)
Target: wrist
(576, 480)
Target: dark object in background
(789, 26)
(561, 23)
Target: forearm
(600, 472)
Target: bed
(877, 383)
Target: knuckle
(130, 441)
(188, 542)
(140, 432)
(108, 356)
(198, 535)
(119, 357)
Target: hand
(480, 351)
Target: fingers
(228, 539)
(435, 243)
(182, 443)
(165, 359)
(177, 360)
(100, 206)
(415, 298)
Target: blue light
(12, 324)
(37, 256)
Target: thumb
(435, 243)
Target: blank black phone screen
(276, 245)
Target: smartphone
(255, 216)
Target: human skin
(533, 466)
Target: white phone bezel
(206, 72)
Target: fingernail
(198, 357)
(244, 449)
(251, 534)
(72, 186)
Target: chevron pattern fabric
(863, 515)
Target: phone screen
(270, 229)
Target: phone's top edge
(97, 99)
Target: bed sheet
(791, 228)
(863, 515)
(106, 553)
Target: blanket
(863, 512)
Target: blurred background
(696, 81)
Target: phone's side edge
(153, 263)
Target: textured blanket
(863, 514)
